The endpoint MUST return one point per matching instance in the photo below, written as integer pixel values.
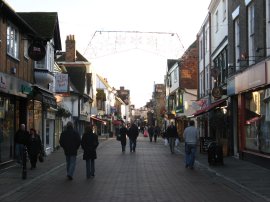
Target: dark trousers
(123, 144)
(33, 160)
(132, 144)
(90, 168)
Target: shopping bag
(176, 142)
(166, 141)
(145, 134)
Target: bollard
(24, 159)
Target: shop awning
(209, 108)
(97, 119)
(45, 96)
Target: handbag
(40, 158)
(118, 137)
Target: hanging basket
(61, 112)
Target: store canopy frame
(209, 108)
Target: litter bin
(215, 154)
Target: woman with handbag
(34, 147)
(89, 145)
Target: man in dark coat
(133, 133)
(172, 135)
(20, 139)
(70, 140)
(123, 136)
(151, 132)
(89, 145)
(156, 133)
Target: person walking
(133, 133)
(34, 147)
(123, 136)
(172, 135)
(20, 140)
(151, 132)
(89, 145)
(191, 135)
(156, 132)
(70, 140)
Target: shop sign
(26, 89)
(179, 109)
(61, 83)
(36, 51)
(217, 92)
(50, 115)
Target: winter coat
(70, 140)
(89, 145)
(34, 145)
(133, 132)
(171, 132)
(21, 137)
(151, 131)
(123, 132)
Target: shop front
(41, 116)
(13, 107)
(213, 123)
(253, 89)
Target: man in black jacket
(133, 133)
(172, 135)
(20, 139)
(70, 140)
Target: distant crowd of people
(170, 135)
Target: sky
(127, 41)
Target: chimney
(70, 49)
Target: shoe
(192, 168)
(186, 166)
(69, 177)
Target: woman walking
(89, 145)
(34, 147)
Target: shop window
(257, 123)
(6, 129)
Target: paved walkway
(154, 175)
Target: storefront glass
(35, 117)
(257, 120)
(6, 129)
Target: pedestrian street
(151, 173)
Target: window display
(257, 121)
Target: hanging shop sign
(217, 92)
(36, 51)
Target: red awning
(97, 119)
(209, 108)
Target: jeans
(71, 163)
(19, 152)
(190, 150)
(90, 167)
(172, 144)
(132, 144)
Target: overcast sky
(135, 66)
